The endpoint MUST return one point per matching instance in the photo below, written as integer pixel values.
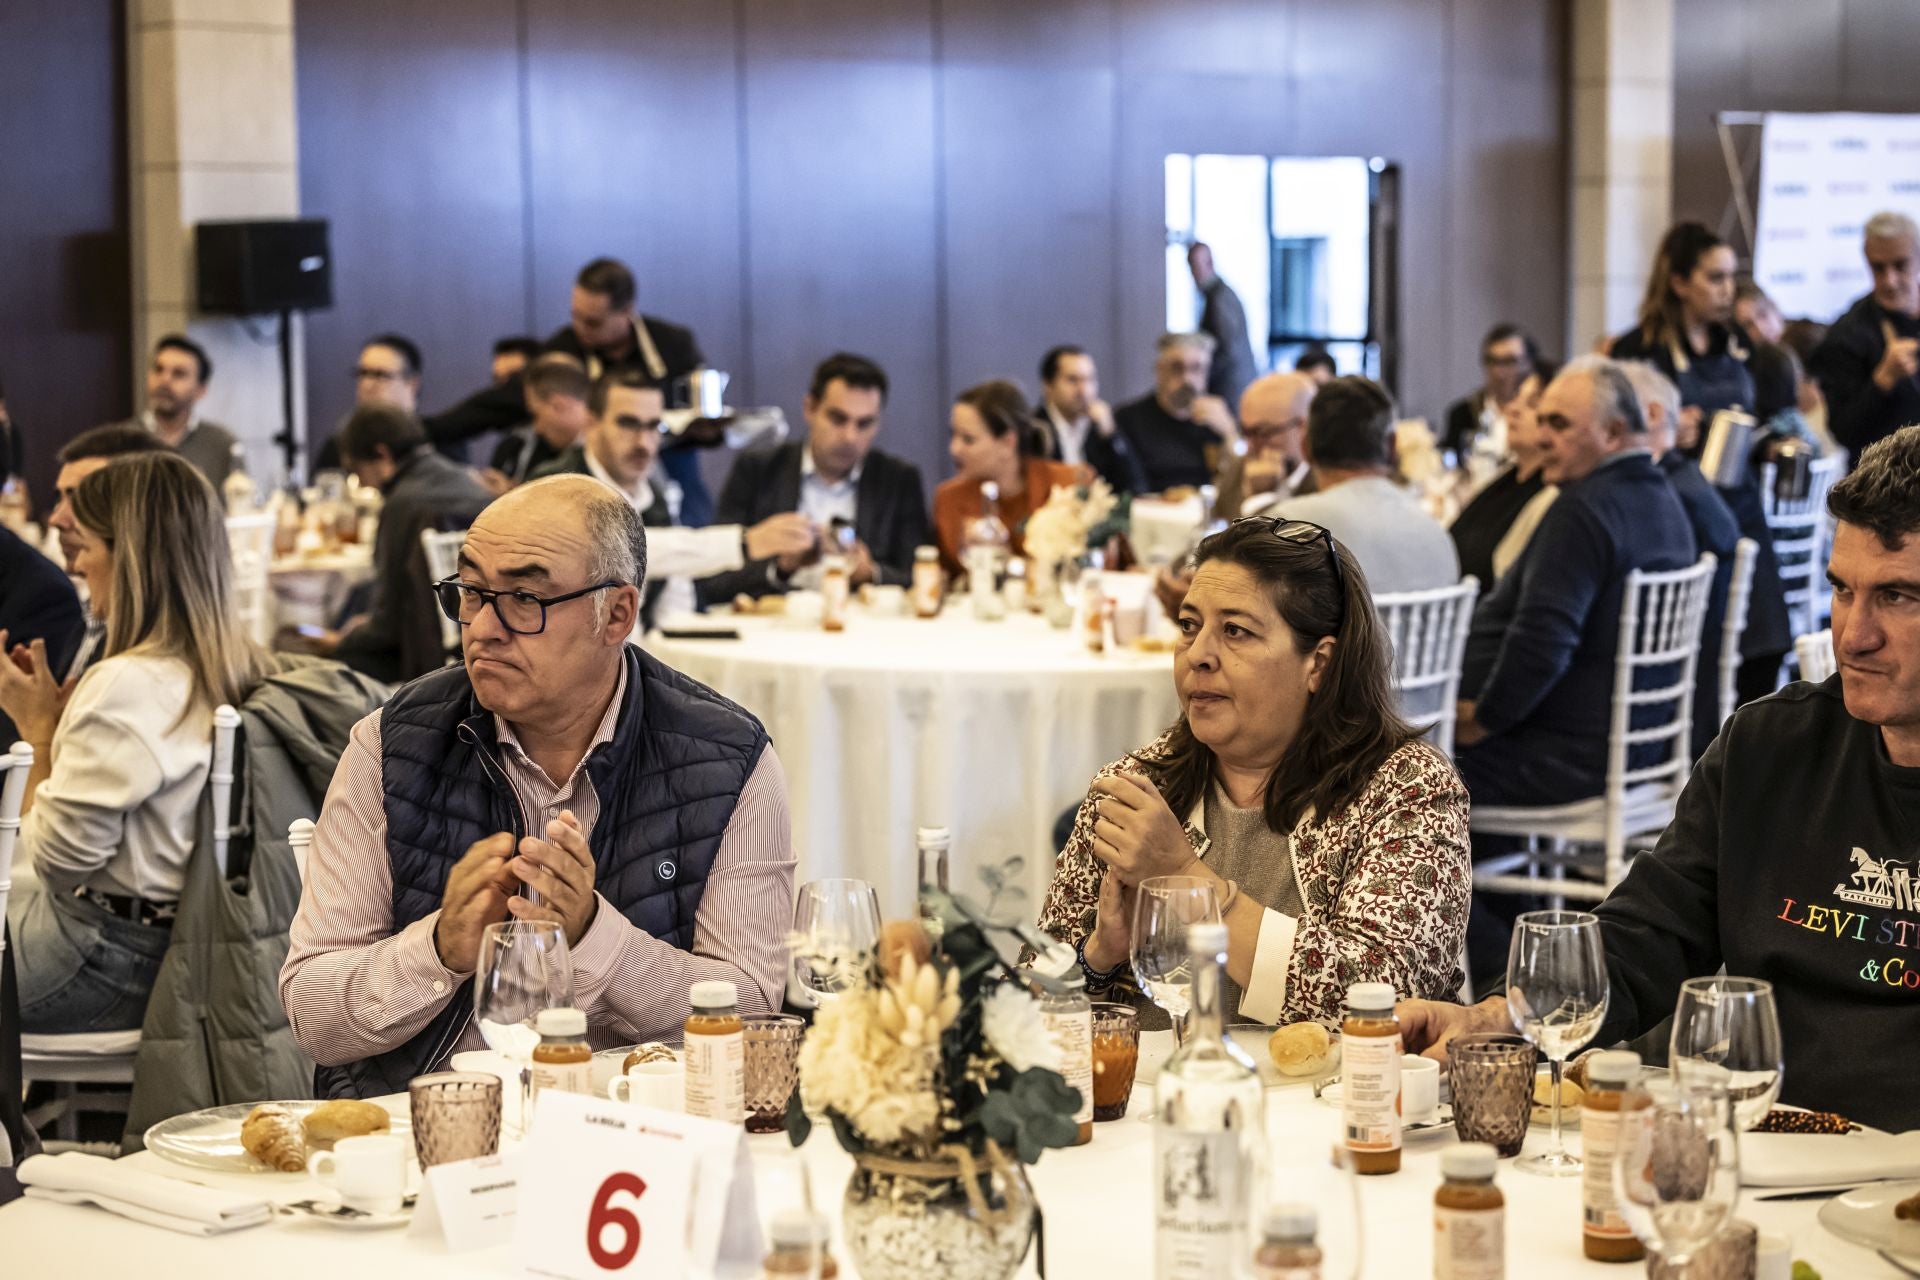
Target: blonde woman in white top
(121, 756)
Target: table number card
(612, 1189)
(469, 1204)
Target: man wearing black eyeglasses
(558, 775)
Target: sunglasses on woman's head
(1306, 533)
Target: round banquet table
(991, 729)
(1097, 1200)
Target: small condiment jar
(1469, 1215)
(1068, 1016)
(716, 1054)
(1370, 1078)
(799, 1242)
(1288, 1251)
(926, 582)
(562, 1061)
(1604, 1234)
(836, 592)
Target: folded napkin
(1820, 1159)
(74, 1178)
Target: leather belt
(139, 910)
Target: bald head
(1273, 415)
(580, 519)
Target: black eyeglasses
(1306, 533)
(520, 612)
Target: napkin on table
(74, 1178)
(1827, 1159)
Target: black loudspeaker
(253, 268)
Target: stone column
(1622, 170)
(212, 136)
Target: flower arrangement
(1068, 523)
(943, 1051)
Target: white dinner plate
(1254, 1040)
(1441, 1121)
(210, 1139)
(1864, 1216)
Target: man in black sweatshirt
(1794, 854)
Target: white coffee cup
(804, 608)
(887, 600)
(1419, 1089)
(660, 1085)
(369, 1172)
(1773, 1257)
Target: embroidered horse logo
(1876, 883)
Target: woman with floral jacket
(1336, 838)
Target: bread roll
(1571, 1096)
(1300, 1049)
(329, 1122)
(272, 1136)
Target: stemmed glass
(1677, 1170)
(1164, 909)
(1727, 1031)
(525, 967)
(1308, 1175)
(836, 932)
(1557, 997)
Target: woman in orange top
(993, 439)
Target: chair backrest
(1661, 619)
(443, 561)
(1800, 528)
(1815, 654)
(1739, 596)
(14, 767)
(250, 541)
(1428, 634)
(226, 724)
(300, 839)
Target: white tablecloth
(1097, 1201)
(1161, 531)
(989, 728)
(311, 590)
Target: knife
(1826, 1194)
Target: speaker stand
(292, 455)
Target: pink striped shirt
(354, 988)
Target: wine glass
(1557, 997)
(1727, 1030)
(1676, 1172)
(525, 967)
(836, 933)
(1164, 909)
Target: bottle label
(1370, 1091)
(926, 589)
(1599, 1209)
(561, 1077)
(1469, 1244)
(1073, 1035)
(717, 1077)
(1199, 1203)
(835, 590)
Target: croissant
(329, 1122)
(272, 1135)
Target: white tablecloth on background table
(1097, 1200)
(311, 590)
(989, 728)
(1161, 531)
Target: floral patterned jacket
(1386, 883)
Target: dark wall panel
(947, 186)
(1778, 55)
(843, 233)
(410, 144)
(65, 328)
(634, 137)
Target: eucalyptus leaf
(799, 1124)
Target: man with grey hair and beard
(1539, 661)
(1868, 361)
(1178, 431)
(558, 774)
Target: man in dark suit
(1226, 319)
(1540, 654)
(607, 335)
(837, 479)
(1077, 425)
(37, 601)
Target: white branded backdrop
(1821, 178)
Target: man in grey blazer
(837, 479)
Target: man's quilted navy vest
(667, 783)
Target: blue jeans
(80, 967)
